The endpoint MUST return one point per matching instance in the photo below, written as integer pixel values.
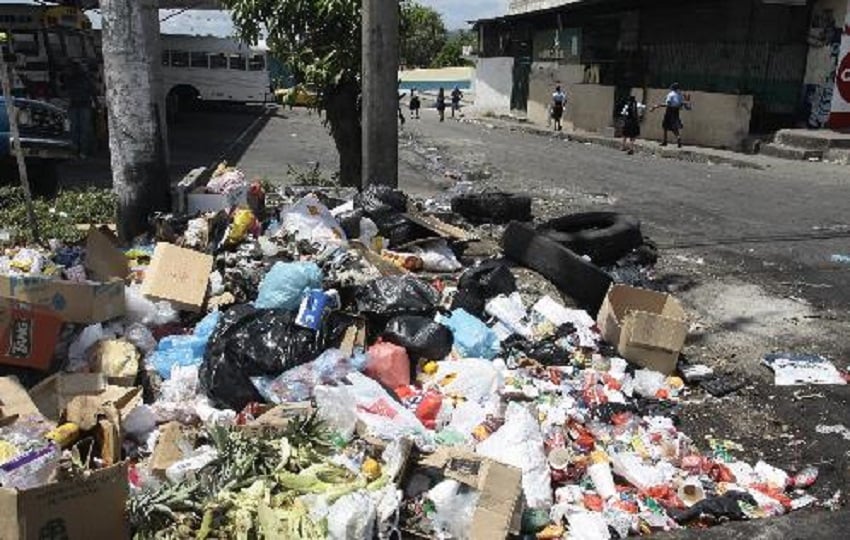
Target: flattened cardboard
(439, 227)
(53, 394)
(82, 303)
(647, 327)
(179, 276)
(104, 260)
(65, 509)
(28, 335)
(171, 446)
(499, 485)
(14, 399)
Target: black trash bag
(716, 507)
(481, 283)
(422, 337)
(248, 342)
(350, 222)
(379, 200)
(548, 351)
(392, 296)
(385, 207)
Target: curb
(684, 154)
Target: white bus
(213, 69)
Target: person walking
(559, 101)
(631, 113)
(673, 105)
(457, 95)
(441, 104)
(415, 104)
(81, 94)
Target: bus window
(26, 43)
(74, 44)
(179, 59)
(166, 58)
(237, 61)
(218, 61)
(257, 62)
(54, 45)
(199, 60)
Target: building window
(200, 60)
(166, 55)
(257, 62)
(218, 61)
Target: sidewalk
(694, 154)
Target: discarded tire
(605, 237)
(584, 282)
(493, 207)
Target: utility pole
(136, 131)
(380, 92)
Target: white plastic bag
(352, 517)
(141, 310)
(647, 383)
(311, 220)
(588, 526)
(471, 378)
(338, 408)
(519, 443)
(77, 352)
(383, 416)
(437, 256)
(511, 312)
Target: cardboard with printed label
(179, 276)
(500, 506)
(84, 302)
(28, 335)
(64, 509)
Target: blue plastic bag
(183, 351)
(286, 283)
(473, 338)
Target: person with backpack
(415, 104)
(457, 95)
(632, 113)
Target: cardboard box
(172, 445)
(82, 509)
(500, 506)
(647, 327)
(28, 335)
(53, 394)
(84, 303)
(179, 276)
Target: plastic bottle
(600, 473)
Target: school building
(749, 66)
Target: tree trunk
(136, 137)
(343, 117)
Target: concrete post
(136, 132)
(380, 92)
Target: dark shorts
(672, 119)
(631, 128)
(557, 111)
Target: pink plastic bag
(389, 365)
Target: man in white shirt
(559, 101)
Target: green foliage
(422, 34)
(451, 54)
(317, 39)
(57, 218)
(311, 177)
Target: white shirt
(640, 109)
(674, 99)
(559, 97)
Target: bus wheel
(181, 99)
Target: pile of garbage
(329, 368)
